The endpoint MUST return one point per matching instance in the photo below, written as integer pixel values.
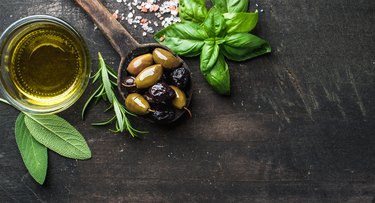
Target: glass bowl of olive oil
(44, 64)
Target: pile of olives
(156, 85)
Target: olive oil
(47, 64)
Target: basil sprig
(222, 32)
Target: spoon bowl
(126, 46)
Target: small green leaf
(231, 6)
(58, 135)
(214, 24)
(89, 101)
(209, 56)
(219, 77)
(185, 39)
(119, 115)
(240, 22)
(4, 101)
(33, 154)
(104, 122)
(243, 46)
(105, 78)
(193, 10)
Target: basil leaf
(243, 46)
(210, 52)
(183, 47)
(185, 39)
(33, 154)
(193, 10)
(214, 24)
(231, 6)
(58, 135)
(219, 77)
(240, 22)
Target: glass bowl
(20, 80)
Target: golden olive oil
(47, 64)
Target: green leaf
(4, 101)
(214, 24)
(104, 122)
(231, 6)
(58, 135)
(219, 77)
(240, 22)
(105, 78)
(193, 10)
(119, 115)
(210, 53)
(243, 46)
(89, 101)
(33, 154)
(185, 39)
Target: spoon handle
(120, 39)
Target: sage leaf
(185, 39)
(214, 24)
(231, 6)
(240, 22)
(243, 46)
(58, 135)
(210, 53)
(34, 154)
(219, 77)
(193, 10)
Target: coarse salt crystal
(174, 12)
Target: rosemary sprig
(107, 77)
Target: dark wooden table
(299, 126)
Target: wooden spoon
(124, 44)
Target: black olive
(160, 93)
(180, 77)
(128, 83)
(164, 78)
(149, 98)
(163, 113)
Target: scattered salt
(166, 13)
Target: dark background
(299, 126)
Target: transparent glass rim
(5, 37)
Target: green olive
(179, 101)
(139, 63)
(135, 103)
(166, 58)
(149, 76)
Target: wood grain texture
(299, 126)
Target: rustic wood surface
(299, 126)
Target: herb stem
(106, 76)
